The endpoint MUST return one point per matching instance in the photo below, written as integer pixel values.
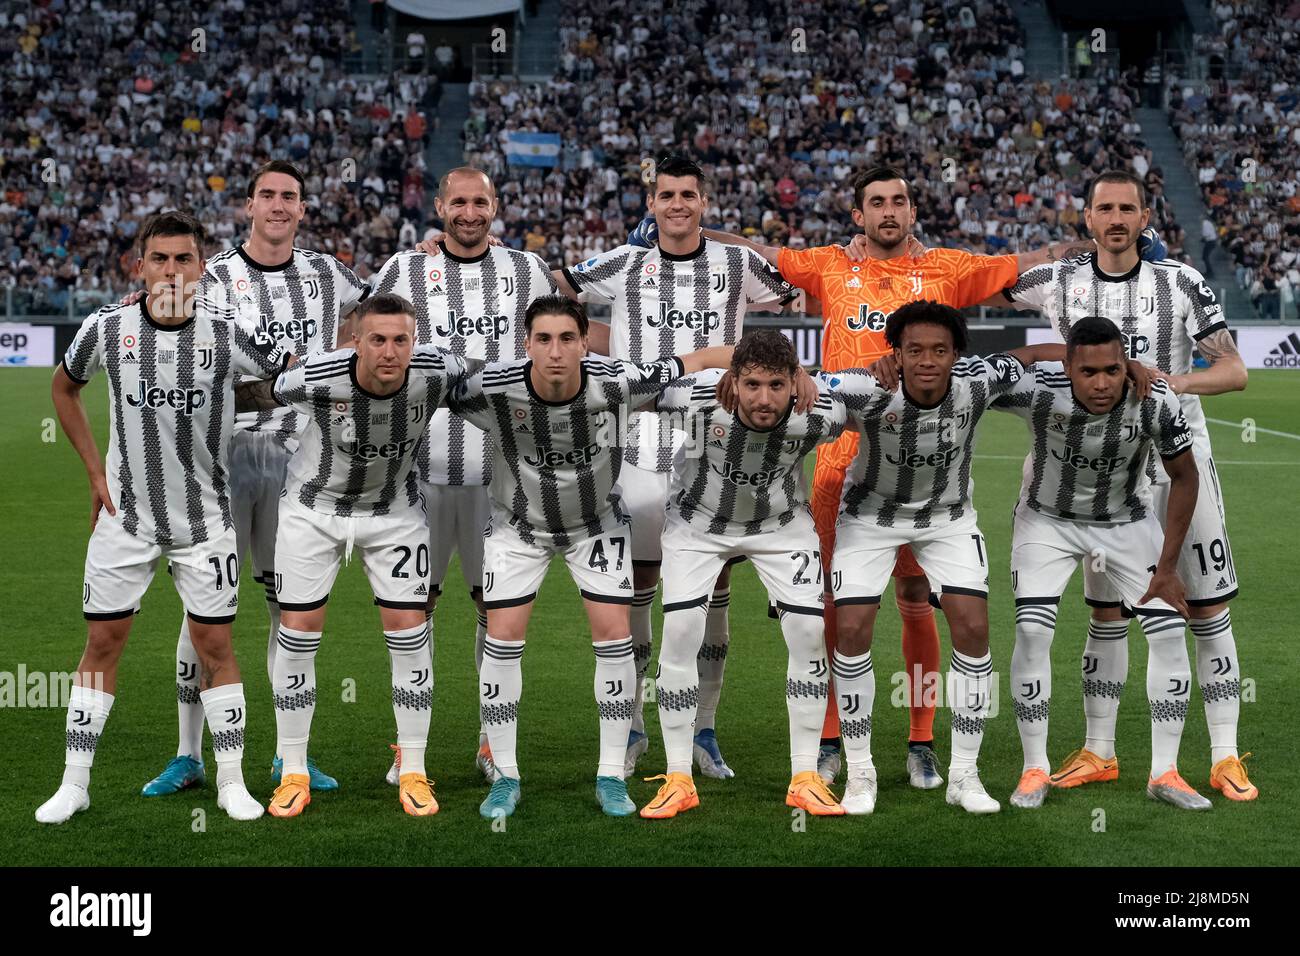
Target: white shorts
(1205, 563)
(311, 545)
(953, 557)
(1045, 551)
(120, 567)
(645, 496)
(788, 562)
(258, 465)
(458, 516)
(513, 570)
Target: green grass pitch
(43, 529)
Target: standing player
(170, 361)
(910, 486)
(351, 483)
(1086, 493)
(745, 494)
(555, 421)
(469, 298)
(685, 292)
(857, 298)
(299, 299)
(1164, 310)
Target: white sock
(968, 697)
(1031, 680)
(614, 690)
(294, 687)
(189, 707)
(88, 711)
(642, 642)
(855, 694)
(1218, 673)
(1169, 683)
(1105, 669)
(480, 635)
(501, 684)
(676, 683)
(224, 707)
(712, 658)
(806, 687)
(411, 656)
(273, 634)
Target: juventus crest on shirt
(667, 304)
(171, 409)
(472, 307)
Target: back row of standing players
(688, 289)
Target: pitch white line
(1266, 431)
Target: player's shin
(411, 656)
(1169, 680)
(677, 683)
(189, 708)
(1105, 669)
(501, 683)
(855, 693)
(642, 628)
(806, 687)
(1220, 679)
(968, 697)
(613, 687)
(712, 657)
(294, 687)
(1031, 680)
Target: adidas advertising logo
(74, 909)
(422, 591)
(1286, 354)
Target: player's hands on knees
(1167, 586)
(99, 498)
(805, 390)
(1141, 376)
(726, 391)
(885, 371)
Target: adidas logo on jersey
(129, 357)
(437, 290)
(1285, 355)
(422, 591)
(649, 283)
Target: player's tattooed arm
(770, 253)
(1053, 252)
(1227, 371)
(1183, 483)
(66, 393)
(256, 396)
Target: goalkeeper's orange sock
(831, 725)
(920, 650)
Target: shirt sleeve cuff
(1210, 330)
(572, 279)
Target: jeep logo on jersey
(545, 458)
(185, 400)
(697, 320)
(866, 318)
(297, 331)
(731, 473)
(938, 459)
(488, 326)
(1103, 463)
(1135, 345)
(368, 451)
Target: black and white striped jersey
(357, 452)
(731, 479)
(472, 307)
(299, 304)
(555, 464)
(1091, 468)
(913, 467)
(171, 411)
(1162, 308)
(666, 304)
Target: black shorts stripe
(701, 601)
(309, 606)
(606, 598)
(510, 602)
(1021, 602)
(971, 592)
(799, 609)
(840, 602)
(199, 619)
(1093, 602)
(1210, 602)
(107, 615)
(402, 605)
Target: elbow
(1239, 383)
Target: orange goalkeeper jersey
(857, 297)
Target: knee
(683, 634)
(804, 633)
(105, 643)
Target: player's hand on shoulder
(915, 247)
(645, 235)
(805, 391)
(1150, 246)
(132, 297)
(1142, 376)
(885, 371)
(726, 390)
(430, 246)
(856, 250)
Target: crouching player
(351, 483)
(740, 491)
(554, 419)
(1086, 496)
